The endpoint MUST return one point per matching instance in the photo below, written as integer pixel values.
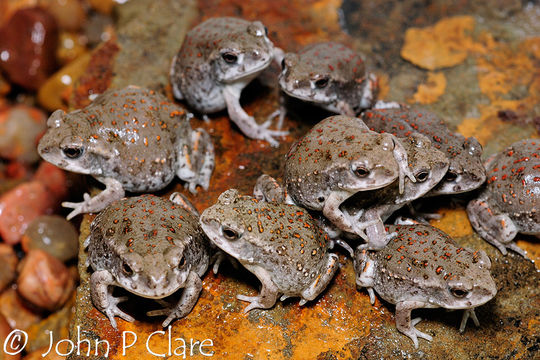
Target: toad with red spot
(130, 139)
(509, 203)
(422, 267)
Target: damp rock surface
(490, 91)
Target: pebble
(9, 261)
(28, 42)
(54, 94)
(70, 47)
(21, 126)
(53, 234)
(44, 280)
(69, 14)
(5, 329)
(54, 179)
(102, 6)
(17, 311)
(20, 206)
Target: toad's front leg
(321, 282)
(268, 294)
(246, 123)
(404, 323)
(113, 191)
(101, 287)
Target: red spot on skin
(439, 270)
(331, 67)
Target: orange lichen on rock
(430, 92)
(445, 44)
(454, 222)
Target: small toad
(131, 139)
(422, 267)
(509, 204)
(150, 246)
(218, 58)
(280, 244)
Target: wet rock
(27, 47)
(69, 14)
(443, 45)
(18, 313)
(103, 6)
(21, 127)
(5, 330)
(70, 46)
(54, 354)
(54, 93)
(58, 322)
(4, 86)
(20, 206)
(9, 7)
(54, 179)
(44, 280)
(53, 234)
(9, 261)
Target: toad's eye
(230, 57)
(421, 176)
(459, 293)
(126, 269)
(450, 176)
(321, 83)
(229, 234)
(72, 152)
(283, 65)
(361, 171)
(182, 262)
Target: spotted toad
(422, 267)
(150, 246)
(130, 139)
(280, 244)
(218, 58)
(509, 203)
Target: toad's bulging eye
(459, 293)
(361, 171)
(230, 57)
(321, 83)
(283, 64)
(72, 152)
(229, 233)
(182, 262)
(450, 176)
(126, 269)
(421, 176)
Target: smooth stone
(28, 42)
(21, 127)
(18, 312)
(9, 262)
(71, 45)
(53, 234)
(69, 14)
(44, 280)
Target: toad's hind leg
(321, 281)
(196, 160)
(268, 294)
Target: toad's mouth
(301, 96)
(156, 293)
(249, 74)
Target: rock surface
(342, 324)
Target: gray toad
(509, 203)
(130, 139)
(422, 267)
(337, 159)
(331, 76)
(218, 58)
(151, 247)
(280, 244)
(465, 172)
